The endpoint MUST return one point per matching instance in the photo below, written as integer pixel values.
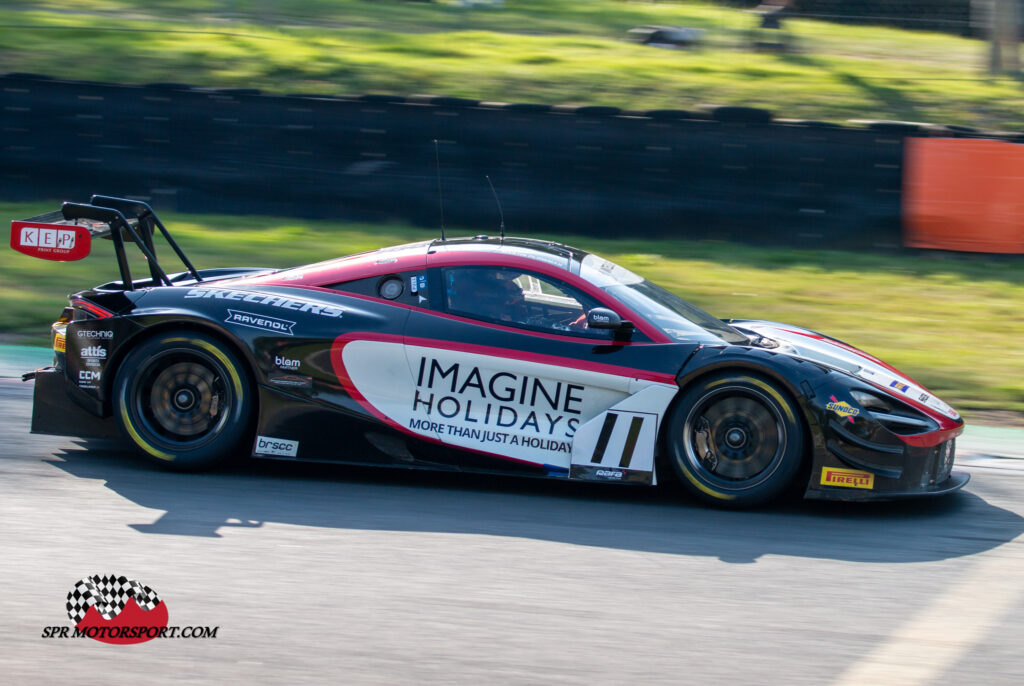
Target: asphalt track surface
(380, 577)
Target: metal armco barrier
(727, 173)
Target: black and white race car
(478, 354)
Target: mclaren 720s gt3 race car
(486, 354)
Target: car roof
(413, 256)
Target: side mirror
(603, 318)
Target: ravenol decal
(842, 408)
(847, 478)
(266, 299)
(258, 321)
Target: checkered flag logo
(109, 595)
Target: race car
(483, 354)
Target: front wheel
(735, 440)
(183, 399)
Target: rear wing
(67, 234)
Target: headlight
(871, 402)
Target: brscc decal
(525, 410)
(265, 445)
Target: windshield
(677, 318)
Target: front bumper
(953, 483)
(848, 468)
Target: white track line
(934, 639)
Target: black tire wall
(727, 173)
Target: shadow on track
(658, 520)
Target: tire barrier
(723, 173)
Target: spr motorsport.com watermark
(119, 610)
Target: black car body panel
(369, 360)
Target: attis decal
(57, 242)
(842, 408)
(94, 355)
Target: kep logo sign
(58, 242)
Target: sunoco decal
(525, 410)
(847, 478)
(842, 408)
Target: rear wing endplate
(67, 234)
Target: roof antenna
(440, 195)
(500, 213)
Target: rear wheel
(735, 440)
(184, 400)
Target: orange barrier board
(963, 194)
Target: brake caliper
(705, 447)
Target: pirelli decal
(847, 478)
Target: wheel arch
(791, 389)
(196, 325)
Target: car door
(505, 371)
(372, 365)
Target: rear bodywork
(346, 375)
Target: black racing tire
(735, 439)
(184, 400)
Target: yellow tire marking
(139, 441)
(763, 386)
(236, 381)
(705, 489)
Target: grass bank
(548, 51)
(955, 323)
